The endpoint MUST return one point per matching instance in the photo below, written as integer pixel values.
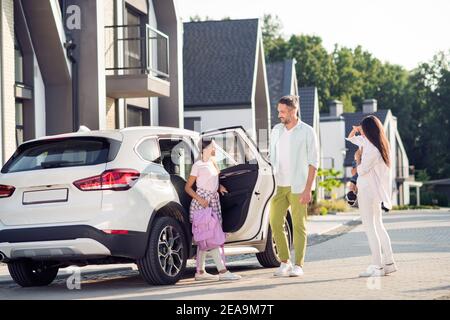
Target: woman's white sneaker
(296, 271)
(228, 276)
(373, 271)
(390, 268)
(205, 276)
(284, 270)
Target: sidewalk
(316, 226)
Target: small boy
(351, 195)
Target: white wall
(154, 102)
(39, 101)
(332, 142)
(214, 119)
(332, 135)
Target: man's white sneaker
(372, 271)
(205, 276)
(296, 271)
(390, 268)
(228, 276)
(283, 270)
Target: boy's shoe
(351, 198)
(205, 276)
(296, 271)
(390, 268)
(372, 271)
(284, 270)
(228, 276)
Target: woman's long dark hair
(374, 132)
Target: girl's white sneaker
(228, 276)
(205, 276)
(373, 271)
(390, 268)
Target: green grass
(414, 207)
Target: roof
(219, 62)
(308, 104)
(279, 78)
(353, 119)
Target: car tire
(269, 258)
(27, 273)
(166, 256)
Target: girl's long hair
(374, 132)
(203, 144)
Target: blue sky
(399, 31)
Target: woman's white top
(207, 175)
(374, 175)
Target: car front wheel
(269, 258)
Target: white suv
(105, 197)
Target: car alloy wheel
(170, 248)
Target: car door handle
(235, 173)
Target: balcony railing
(136, 49)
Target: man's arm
(313, 164)
(306, 195)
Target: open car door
(249, 180)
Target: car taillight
(117, 180)
(6, 191)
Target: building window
(134, 45)
(137, 117)
(18, 60)
(19, 123)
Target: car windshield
(59, 153)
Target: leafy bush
(433, 199)
(413, 207)
(314, 209)
(334, 205)
(329, 179)
(323, 211)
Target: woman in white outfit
(374, 185)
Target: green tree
(329, 179)
(314, 65)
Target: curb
(334, 232)
(350, 222)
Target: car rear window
(62, 153)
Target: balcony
(137, 62)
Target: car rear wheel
(269, 258)
(166, 256)
(27, 273)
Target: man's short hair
(291, 101)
